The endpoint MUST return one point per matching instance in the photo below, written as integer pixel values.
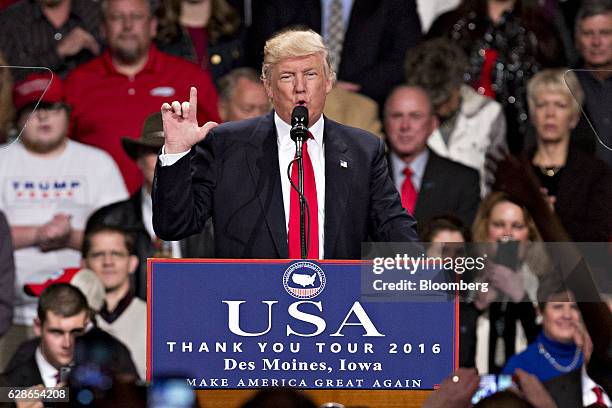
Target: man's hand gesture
(181, 128)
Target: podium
(230, 327)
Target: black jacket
(233, 177)
(128, 215)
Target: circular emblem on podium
(304, 280)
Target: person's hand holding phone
(456, 391)
(533, 391)
(506, 281)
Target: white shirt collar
(147, 212)
(283, 129)
(417, 166)
(588, 395)
(48, 373)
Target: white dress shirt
(147, 220)
(48, 373)
(588, 395)
(286, 153)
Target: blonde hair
(558, 80)
(481, 223)
(294, 43)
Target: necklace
(555, 364)
(550, 171)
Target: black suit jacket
(566, 389)
(128, 215)
(447, 188)
(375, 43)
(233, 176)
(25, 374)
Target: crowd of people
(495, 122)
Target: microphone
(299, 133)
(299, 124)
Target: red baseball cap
(31, 89)
(84, 279)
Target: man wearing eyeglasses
(49, 185)
(109, 252)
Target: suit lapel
(262, 159)
(428, 183)
(339, 171)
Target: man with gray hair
(594, 43)
(242, 95)
(237, 172)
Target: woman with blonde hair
(579, 186)
(510, 239)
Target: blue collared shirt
(347, 6)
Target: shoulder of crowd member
(25, 351)
(442, 24)
(93, 156)
(184, 65)
(355, 135)
(589, 164)
(78, 78)
(121, 213)
(473, 103)
(451, 167)
(350, 107)
(20, 8)
(237, 132)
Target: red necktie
(312, 216)
(409, 193)
(600, 400)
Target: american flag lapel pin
(343, 164)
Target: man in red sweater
(113, 94)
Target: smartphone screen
(490, 384)
(507, 254)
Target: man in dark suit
(376, 36)
(430, 185)
(63, 314)
(574, 390)
(236, 173)
(593, 23)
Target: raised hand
(77, 40)
(181, 127)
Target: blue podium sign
(252, 324)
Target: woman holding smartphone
(507, 321)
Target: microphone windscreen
(299, 116)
